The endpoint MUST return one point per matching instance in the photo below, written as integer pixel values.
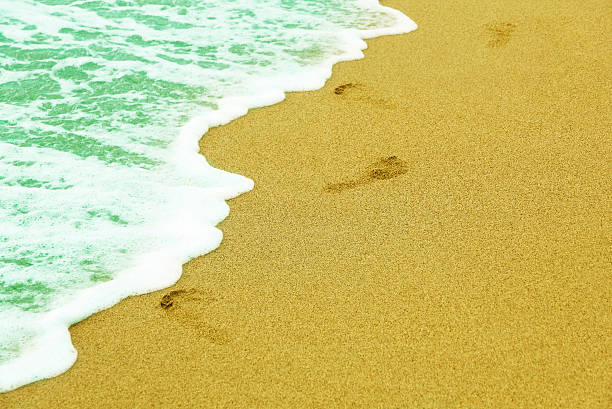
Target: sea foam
(103, 192)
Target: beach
(429, 230)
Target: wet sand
(430, 230)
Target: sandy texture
(436, 234)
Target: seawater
(103, 193)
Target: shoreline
(56, 341)
(438, 239)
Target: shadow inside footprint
(383, 169)
(189, 308)
(500, 33)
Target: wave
(103, 194)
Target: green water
(97, 173)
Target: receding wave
(102, 191)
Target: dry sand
(435, 235)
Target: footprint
(340, 90)
(362, 96)
(499, 33)
(173, 298)
(383, 169)
(189, 308)
(167, 300)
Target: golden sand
(430, 230)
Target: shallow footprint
(340, 90)
(387, 168)
(362, 96)
(188, 307)
(500, 33)
(174, 298)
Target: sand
(436, 234)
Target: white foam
(187, 234)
